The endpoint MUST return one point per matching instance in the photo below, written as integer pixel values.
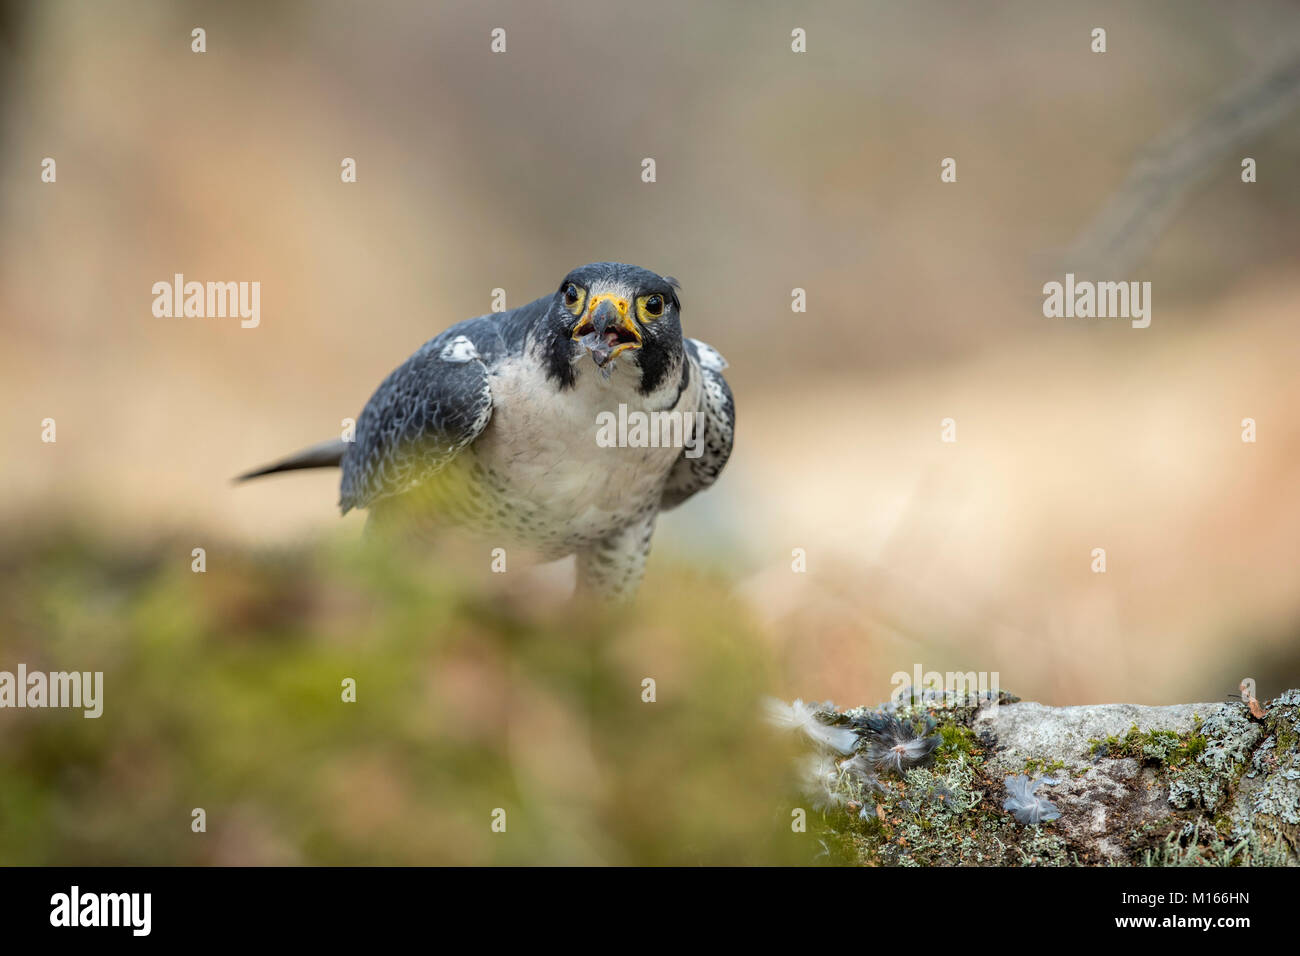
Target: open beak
(607, 329)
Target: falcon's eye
(573, 297)
(654, 305)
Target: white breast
(542, 443)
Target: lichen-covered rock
(1267, 805)
(1068, 735)
(1194, 784)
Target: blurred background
(775, 171)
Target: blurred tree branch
(1128, 225)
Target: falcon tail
(325, 455)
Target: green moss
(958, 740)
(1161, 747)
(872, 826)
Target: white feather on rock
(801, 716)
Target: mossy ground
(950, 812)
(945, 813)
(222, 691)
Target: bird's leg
(611, 568)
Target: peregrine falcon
(501, 425)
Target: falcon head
(610, 315)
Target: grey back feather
(428, 409)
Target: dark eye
(571, 294)
(655, 305)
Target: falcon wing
(430, 407)
(690, 475)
